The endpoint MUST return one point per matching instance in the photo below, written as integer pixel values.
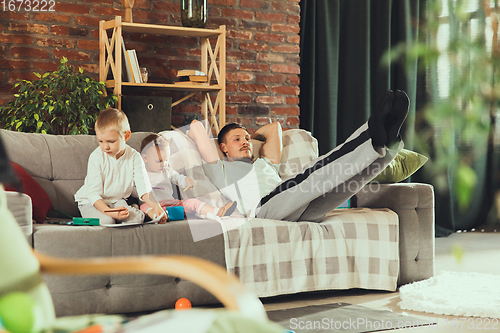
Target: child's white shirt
(162, 182)
(111, 179)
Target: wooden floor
(480, 253)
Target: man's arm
(205, 145)
(271, 135)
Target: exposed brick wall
(262, 50)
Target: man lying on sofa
(321, 186)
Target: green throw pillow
(405, 164)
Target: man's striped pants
(328, 181)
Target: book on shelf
(134, 65)
(129, 61)
(193, 78)
(126, 70)
(191, 83)
(190, 72)
(137, 70)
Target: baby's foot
(376, 123)
(227, 209)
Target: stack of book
(131, 65)
(191, 76)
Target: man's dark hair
(229, 127)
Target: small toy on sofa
(176, 213)
(155, 152)
(76, 220)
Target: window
(468, 28)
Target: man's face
(155, 159)
(111, 142)
(237, 145)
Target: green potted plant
(62, 102)
(455, 126)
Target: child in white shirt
(155, 152)
(113, 169)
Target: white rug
(452, 293)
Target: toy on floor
(17, 312)
(183, 304)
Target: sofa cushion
(57, 162)
(125, 293)
(40, 200)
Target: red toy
(183, 304)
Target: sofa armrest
(414, 204)
(19, 205)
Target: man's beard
(242, 159)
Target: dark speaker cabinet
(148, 113)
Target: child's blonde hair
(114, 119)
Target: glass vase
(194, 13)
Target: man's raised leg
(291, 197)
(365, 148)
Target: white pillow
(299, 148)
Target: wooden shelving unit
(110, 58)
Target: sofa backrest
(57, 162)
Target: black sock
(376, 123)
(397, 116)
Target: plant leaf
(465, 181)
(57, 98)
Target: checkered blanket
(355, 248)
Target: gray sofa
(58, 164)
